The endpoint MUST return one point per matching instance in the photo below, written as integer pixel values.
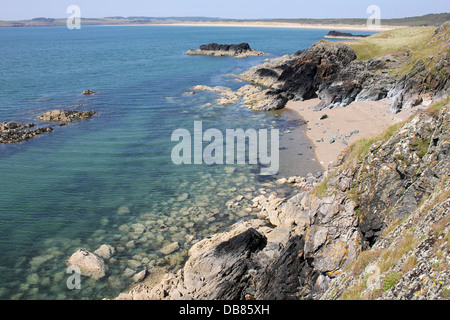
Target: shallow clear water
(88, 183)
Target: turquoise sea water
(94, 181)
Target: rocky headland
(376, 224)
(241, 50)
(409, 67)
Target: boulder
(105, 251)
(90, 264)
(170, 248)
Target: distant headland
(333, 24)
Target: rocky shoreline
(331, 71)
(374, 227)
(327, 241)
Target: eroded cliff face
(376, 226)
(331, 71)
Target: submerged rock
(170, 248)
(105, 251)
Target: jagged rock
(89, 263)
(13, 132)
(241, 50)
(331, 72)
(66, 115)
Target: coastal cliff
(375, 226)
(407, 66)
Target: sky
(236, 9)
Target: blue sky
(249, 9)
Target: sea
(111, 179)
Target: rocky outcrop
(241, 50)
(253, 97)
(13, 132)
(330, 71)
(66, 115)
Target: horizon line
(219, 18)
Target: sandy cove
(369, 118)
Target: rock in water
(12, 132)
(240, 50)
(170, 248)
(88, 92)
(105, 251)
(66, 115)
(89, 263)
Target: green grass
(436, 107)
(394, 42)
(320, 190)
(391, 280)
(419, 42)
(422, 146)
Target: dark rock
(12, 132)
(240, 50)
(220, 272)
(288, 277)
(345, 35)
(264, 72)
(242, 47)
(88, 92)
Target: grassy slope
(420, 42)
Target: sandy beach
(261, 24)
(367, 118)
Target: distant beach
(262, 24)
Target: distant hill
(426, 20)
